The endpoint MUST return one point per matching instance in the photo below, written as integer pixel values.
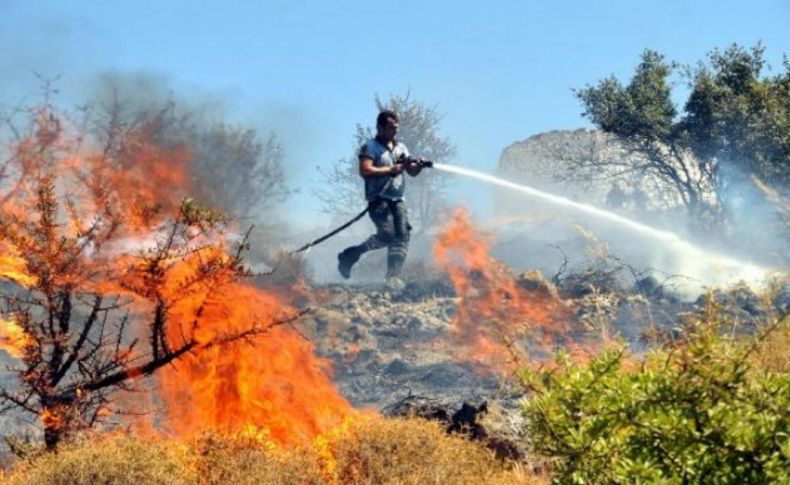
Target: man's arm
(367, 169)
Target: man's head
(387, 125)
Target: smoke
(45, 43)
(756, 222)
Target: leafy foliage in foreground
(698, 411)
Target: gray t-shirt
(384, 157)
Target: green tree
(419, 130)
(734, 124)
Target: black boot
(346, 260)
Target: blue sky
(499, 71)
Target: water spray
(729, 269)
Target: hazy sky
(499, 71)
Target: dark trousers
(392, 231)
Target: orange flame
(142, 186)
(270, 382)
(13, 268)
(13, 339)
(495, 315)
(53, 418)
(267, 384)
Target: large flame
(250, 372)
(495, 315)
(270, 383)
(143, 185)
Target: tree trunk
(52, 435)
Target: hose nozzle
(422, 163)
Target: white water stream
(707, 267)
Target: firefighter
(385, 186)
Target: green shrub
(698, 412)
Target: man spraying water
(382, 161)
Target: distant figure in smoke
(384, 191)
(616, 198)
(640, 200)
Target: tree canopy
(735, 124)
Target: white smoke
(702, 266)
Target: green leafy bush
(698, 411)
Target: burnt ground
(387, 346)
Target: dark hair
(382, 118)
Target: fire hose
(402, 160)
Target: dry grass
(116, 459)
(363, 451)
(773, 352)
(399, 451)
(241, 460)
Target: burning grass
(366, 450)
(495, 314)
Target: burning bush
(116, 276)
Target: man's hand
(367, 169)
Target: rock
(396, 367)
(540, 157)
(738, 300)
(414, 325)
(781, 300)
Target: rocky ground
(391, 352)
(390, 355)
(387, 346)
